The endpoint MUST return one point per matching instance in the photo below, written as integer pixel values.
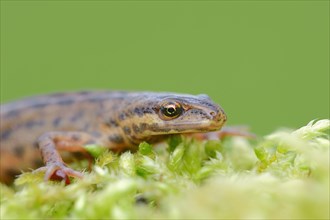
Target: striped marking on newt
(36, 129)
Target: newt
(34, 130)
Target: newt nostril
(218, 116)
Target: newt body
(34, 129)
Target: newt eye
(171, 110)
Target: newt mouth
(184, 127)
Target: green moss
(283, 175)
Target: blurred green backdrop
(265, 62)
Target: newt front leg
(49, 144)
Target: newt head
(169, 113)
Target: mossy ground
(282, 175)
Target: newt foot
(58, 172)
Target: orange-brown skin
(33, 130)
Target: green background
(265, 62)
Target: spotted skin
(38, 128)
